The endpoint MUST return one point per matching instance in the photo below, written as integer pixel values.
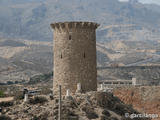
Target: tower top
(70, 25)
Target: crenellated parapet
(72, 25)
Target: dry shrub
(6, 104)
(3, 117)
(38, 99)
(19, 95)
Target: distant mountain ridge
(129, 35)
(31, 19)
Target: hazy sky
(147, 1)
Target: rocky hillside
(133, 18)
(145, 74)
(89, 106)
(128, 53)
(128, 36)
(21, 60)
(143, 99)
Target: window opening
(84, 55)
(70, 37)
(61, 55)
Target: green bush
(6, 104)
(19, 95)
(37, 100)
(3, 117)
(10, 82)
(40, 78)
(46, 91)
(2, 94)
(41, 117)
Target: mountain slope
(31, 19)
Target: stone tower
(75, 56)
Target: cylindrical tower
(75, 56)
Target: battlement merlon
(70, 25)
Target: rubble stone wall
(75, 56)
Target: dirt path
(6, 99)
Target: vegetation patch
(6, 104)
(37, 100)
(40, 78)
(90, 113)
(19, 95)
(3, 117)
(2, 94)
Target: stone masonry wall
(75, 56)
